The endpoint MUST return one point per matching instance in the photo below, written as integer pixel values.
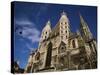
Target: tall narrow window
(46, 32)
(37, 57)
(65, 23)
(66, 36)
(73, 43)
(65, 26)
(66, 31)
(49, 54)
(45, 37)
(61, 23)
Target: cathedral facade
(61, 49)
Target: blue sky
(30, 18)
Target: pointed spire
(47, 26)
(63, 13)
(48, 23)
(81, 18)
(85, 29)
(83, 23)
(64, 16)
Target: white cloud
(23, 22)
(31, 34)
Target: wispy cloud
(23, 22)
(31, 33)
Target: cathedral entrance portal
(48, 56)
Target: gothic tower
(86, 33)
(90, 42)
(45, 32)
(43, 43)
(64, 28)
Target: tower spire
(82, 20)
(86, 33)
(63, 13)
(48, 23)
(64, 26)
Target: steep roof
(55, 30)
(47, 26)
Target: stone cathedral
(60, 49)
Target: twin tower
(63, 29)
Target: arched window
(45, 37)
(66, 31)
(65, 26)
(61, 27)
(66, 36)
(73, 43)
(62, 48)
(65, 23)
(46, 32)
(61, 31)
(61, 23)
(49, 54)
(37, 57)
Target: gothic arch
(62, 47)
(49, 54)
(37, 57)
(73, 44)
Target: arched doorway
(49, 54)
